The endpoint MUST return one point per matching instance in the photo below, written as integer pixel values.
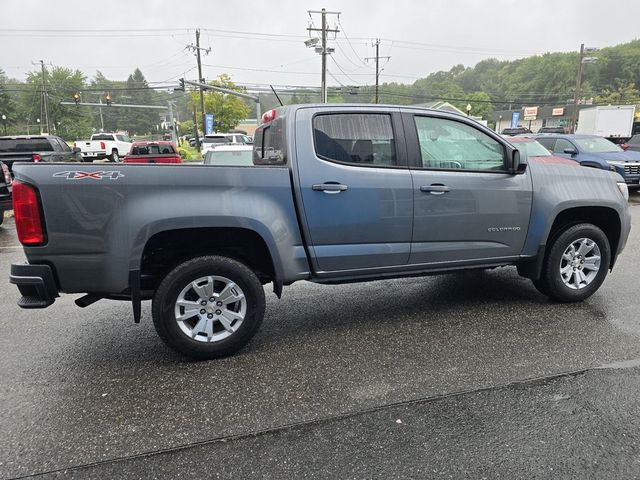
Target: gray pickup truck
(336, 194)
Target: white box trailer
(611, 121)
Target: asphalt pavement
(473, 375)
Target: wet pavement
(469, 375)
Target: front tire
(208, 307)
(576, 264)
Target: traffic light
(76, 97)
(181, 88)
(108, 99)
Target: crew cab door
(467, 207)
(355, 188)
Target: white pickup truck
(104, 145)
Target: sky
(262, 42)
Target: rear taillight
(36, 157)
(7, 174)
(26, 210)
(103, 146)
(624, 147)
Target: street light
(4, 120)
(39, 126)
(468, 109)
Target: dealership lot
(408, 377)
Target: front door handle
(435, 189)
(329, 187)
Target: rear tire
(114, 157)
(576, 264)
(208, 307)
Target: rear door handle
(329, 187)
(435, 189)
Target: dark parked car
(36, 148)
(634, 143)
(515, 131)
(552, 130)
(596, 152)
(5, 190)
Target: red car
(537, 152)
(152, 152)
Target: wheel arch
(605, 218)
(166, 249)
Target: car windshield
(597, 145)
(229, 158)
(534, 149)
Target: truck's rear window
(20, 145)
(152, 150)
(269, 144)
(102, 137)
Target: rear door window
(365, 139)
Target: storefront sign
(530, 113)
(557, 112)
(515, 118)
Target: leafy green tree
(138, 121)
(70, 122)
(228, 110)
(7, 104)
(480, 105)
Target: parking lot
(469, 375)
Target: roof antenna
(274, 92)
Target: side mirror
(516, 164)
(570, 151)
(76, 150)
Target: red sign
(530, 113)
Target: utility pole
(576, 95)
(323, 50)
(197, 49)
(45, 95)
(377, 59)
(101, 119)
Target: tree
(70, 122)
(228, 110)
(138, 121)
(623, 95)
(7, 105)
(480, 104)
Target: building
(536, 117)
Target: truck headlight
(624, 190)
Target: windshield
(534, 149)
(229, 158)
(596, 145)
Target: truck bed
(98, 217)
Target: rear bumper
(36, 284)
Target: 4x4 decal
(78, 175)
